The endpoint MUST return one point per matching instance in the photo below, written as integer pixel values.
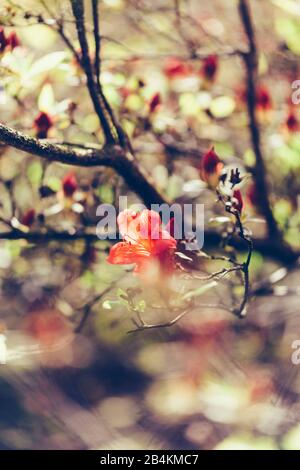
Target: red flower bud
(69, 184)
(263, 99)
(237, 201)
(42, 123)
(210, 67)
(292, 123)
(28, 218)
(210, 168)
(175, 68)
(154, 103)
(13, 40)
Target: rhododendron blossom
(145, 242)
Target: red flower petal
(124, 253)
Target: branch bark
(259, 173)
(111, 134)
(109, 156)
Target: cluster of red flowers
(9, 42)
(176, 68)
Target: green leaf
(106, 194)
(35, 173)
(289, 30)
(110, 304)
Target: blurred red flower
(145, 241)
(13, 40)
(210, 168)
(155, 102)
(28, 217)
(292, 123)
(43, 123)
(263, 99)
(210, 67)
(69, 184)
(176, 68)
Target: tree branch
(259, 173)
(110, 156)
(110, 132)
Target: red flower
(42, 123)
(263, 99)
(237, 200)
(145, 242)
(210, 67)
(292, 123)
(13, 40)
(28, 218)
(47, 326)
(210, 168)
(175, 68)
(155, 102)
(69, 185)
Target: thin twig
(100, 108)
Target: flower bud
(210, 168)
(263, 99)
(154, 103)
(210, 67)
(28, 217)
(42, 123)
(69, 185)
(292, 123)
